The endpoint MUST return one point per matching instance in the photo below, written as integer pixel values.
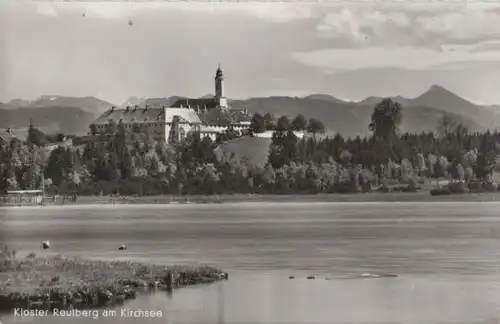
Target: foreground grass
(65, 282)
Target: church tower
(219, 89)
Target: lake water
(447, 256)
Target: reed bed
(67, 281)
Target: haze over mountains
(73, 115)
(70, 115)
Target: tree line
(268, 122)
(387, 160)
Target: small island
(65, 282)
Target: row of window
(131, 125)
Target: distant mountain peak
(324, 97)
(439, 90)
(437, 87)
(438, 93)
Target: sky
(350, 50)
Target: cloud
(47, 9)
(359, 25)
(469, 24)
(173, 49)
(279, 12)
(410, 58)
(487, 46)
(417, 25)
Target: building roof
(130, 115)
(196, 103)
(186, 115)
(142, 115)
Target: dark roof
(141, 115)
(196, 103)
(130, 115)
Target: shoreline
(421, 196)
(65, 283)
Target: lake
(447, 256)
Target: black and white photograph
(241, 162)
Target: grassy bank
(68, 282)
(421, 196)
(393, 196)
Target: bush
(457, 187)
(422, 181)
(366, 187)
(390, 181)
(412, 186)
(488, 186)
(475, 186)
(345, 187)
(384, 188)
(440, 192)
(479, 186)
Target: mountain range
(73, 115)
(352, 118)
(88, 104)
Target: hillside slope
(250, 150)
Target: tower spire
(219, 88)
